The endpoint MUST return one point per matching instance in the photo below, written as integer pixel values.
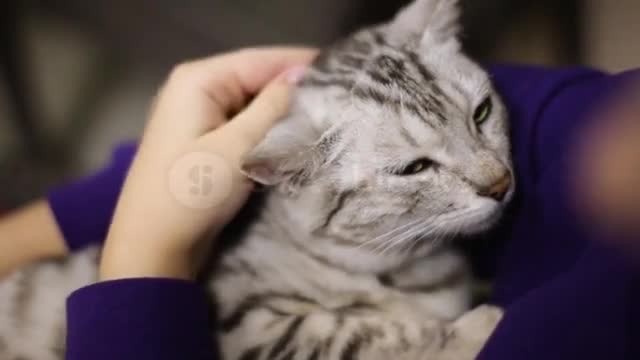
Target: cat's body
(333, 309)
(395, 141)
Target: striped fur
(347, 259)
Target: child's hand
(609, 166)
(184, 185)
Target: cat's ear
(436, 21)
(289, 154)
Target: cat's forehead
(369, 73)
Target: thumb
(251, 125)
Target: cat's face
(396, 140)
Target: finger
(253, 68)
(202, 94)
(230, 80)
(250, 126)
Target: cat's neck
(279, 219)
(284, 220)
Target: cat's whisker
(392, 241)
(402, 238)
(433, 227)
(411, 246)
(424, 230)
(381, 238)
(390, 236)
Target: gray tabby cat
(395, 142)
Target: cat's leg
(274, 327)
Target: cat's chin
(479, 219)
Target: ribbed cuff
(149, 318)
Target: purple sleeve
(566, 296)
(83, 209)
(587, 313)
(139, 319)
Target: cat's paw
(466, 337)
(478, 324)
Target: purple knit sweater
(566, 295)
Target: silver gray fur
(347, 259)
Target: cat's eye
(483, 111)
(415, 167)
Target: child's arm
(29, 234)
(72, 216)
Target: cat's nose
(498, 189)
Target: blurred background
(77, 76)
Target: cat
(394, 143)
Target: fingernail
(295, 74)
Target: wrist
(119, 267)
(126, 258)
